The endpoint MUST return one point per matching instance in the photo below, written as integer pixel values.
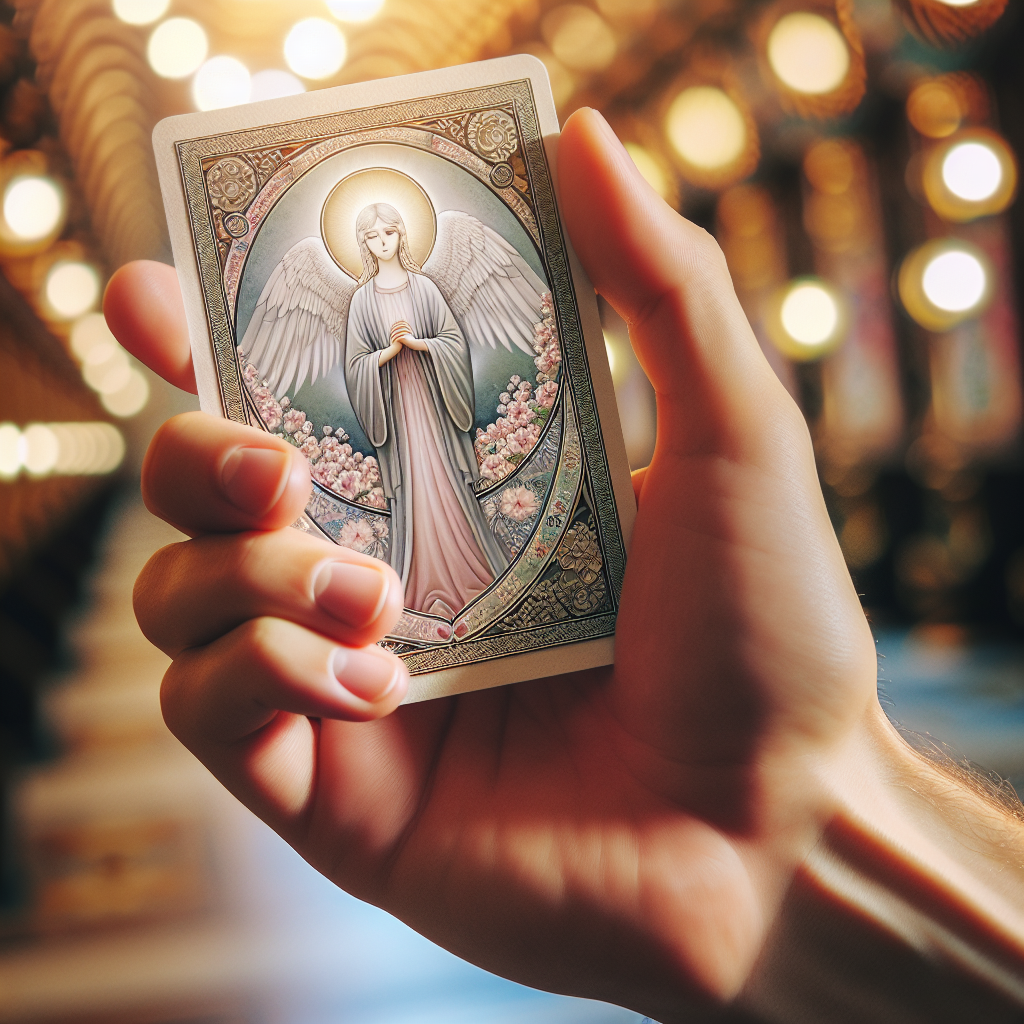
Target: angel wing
(493, 292)
(298, 325)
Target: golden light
(33, 207)
(706, 128)
(11, 450)
(579, 37)
(934, 109)
(806, 319)
(130, 398)
(944, 282)
(650, 169)
(90, 332)
(273, 83)
(177, 47)
(315, 48)
(69, 449)
(610, 352)
(958, 3)
(973, 174)
(106, 369)
(140, 12)
(972, 171)
(221, 82)
(808, 53)
(355, 10)
(71, 288)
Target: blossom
(311, 449)
(250, 374)
(518, 503)
(525, 438)
(504, 398)
(293, 420)
(494, 467)
(546, 394)
(356, 534)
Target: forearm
(909, 908)
(389, 353)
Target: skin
(628, 834)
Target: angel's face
(382, 240)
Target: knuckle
(155, 588)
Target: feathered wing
(493, 292)
(298, 326)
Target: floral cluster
(523, 407)
(518, 503)
(366, 536)
(333, 462)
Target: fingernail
(353, 594)
(368, 673)
(252, 479)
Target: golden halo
(360, 189)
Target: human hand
(626, 834)
(401, 332)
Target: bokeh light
(89, 332)
(140, 12)
(10, 451)
(808, 53)
(706, 128)
(33, 207)
(954, 281)
(972, 174)
(315, 48)
(106, 369)
(934, 109)
(177, 47)
(650, 168)
(945, 282)
(221, 82)
(71, 288)
(41, 449)
(355, 10)
(972, 171)
(273, 83)
(806, 319)
(128, 399)
(579, 37)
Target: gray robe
(375, 394)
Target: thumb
(668, 280)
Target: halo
(358, 190)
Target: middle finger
(195, 591)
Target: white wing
(298, 325)
(491, 289)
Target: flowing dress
(417, 410)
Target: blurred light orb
(33, 207)
(72, 288)
(273, 83)
(934, 109)
(130, 398)
(221, 82)
(650, 169)
(315, 48)
(109, 374)
(177, 47)
(808, 53)
(140, 12)
(972, 171)
(958, 3)
(706, 127)
(579, 37)
(954, 281)
(41, 449)
(809, 314)
(355, 10)
(11, 451)
(88, 333)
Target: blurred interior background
(857, 160)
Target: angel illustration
(406, 333)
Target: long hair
(369, 216)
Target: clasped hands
(628, 833)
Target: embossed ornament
(231, 184)
(492, 135)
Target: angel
(406, 333)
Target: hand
(401, 332)
(625, 834)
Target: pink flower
(376, 499)
(504, 398)
(293, 420)
(494, 467)
(370, 462)
(311, 449)
(250, 374)
(518, 503)
(525, 438)
(546, 394)
(356, 534)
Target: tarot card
(378, 274)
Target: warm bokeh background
(858, 162)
